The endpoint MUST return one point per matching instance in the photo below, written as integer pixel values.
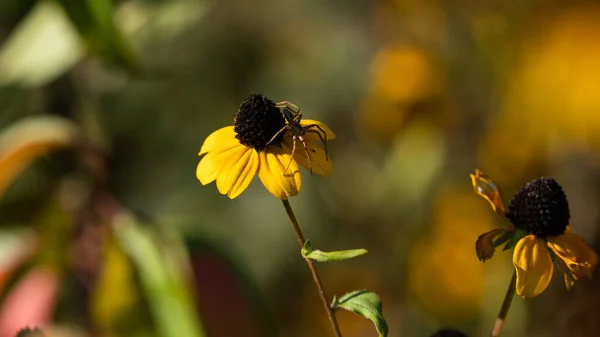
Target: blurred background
(105, 230)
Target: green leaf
(365, 303)
(94, 19)
(163, 275)
(321, 256)
(41, 48)
(517, 235)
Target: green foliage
(160, 270)
(365, 303)
(95, 22)
(321, 256)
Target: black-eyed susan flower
(233, 155)
(540, 233)
(27, 332)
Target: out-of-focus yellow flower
(539, 214)
(233, 155)
(552, 96)
(403, 81)
(434, 278)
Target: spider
(292, 115)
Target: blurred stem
(313, 269)
(510, 293)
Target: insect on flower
(293, 116)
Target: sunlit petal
(273, 163)
(207, 169)
(487, 188)
(241, 174)
(578, 257)
(323, 126)
(223, 138)
(226, 163)
(210, 165)
(320, 163)
(485, 244)
(533, 266)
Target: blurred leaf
(15, 249)
(162, 277)
(221, 278)
(116, 304)
(29, 139)
(365, 303)
(41, 48)
(94, 19)
(330, 256)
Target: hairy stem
(510, 293)
(313, 269)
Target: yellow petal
(320, 163)
(223, 138)
(487, 188)
(227, 163)
(273, 162)
(485, 244)
(323, 126)
(207, 169)
(578, 257)
(210, 165)
(533, 266)
(242, 173)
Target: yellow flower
(233, 155)
(540, 233)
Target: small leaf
(365, 303)
(321, 256)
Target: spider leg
(322, 136)
(292, 154)
(287, 105)
(277, 134)
(307, 154)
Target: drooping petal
(484, 247)
(227, 162)
(487, 188)
(210, 165)
(578, 257)
(317, 125)
(320, 163)
(272, 172)
(223, 138)
(207, 169)
(241, 173)
(533, 266)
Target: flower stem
(313, 269)
(510, 292)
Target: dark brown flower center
(257, 121)
(27, 332)
(540, 208)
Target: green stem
(510, 293)
(313, 269)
